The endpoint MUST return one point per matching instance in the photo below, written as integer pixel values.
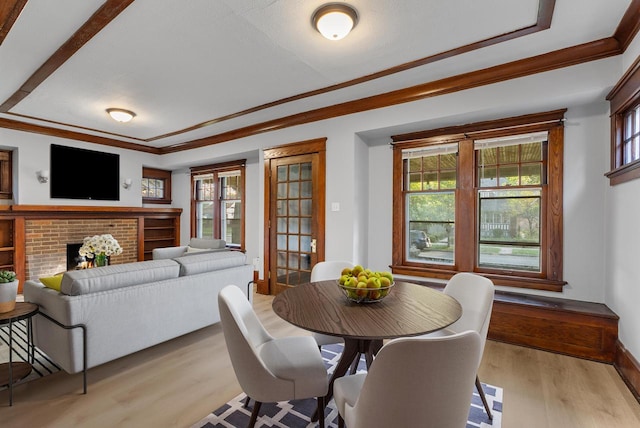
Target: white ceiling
(179, 64)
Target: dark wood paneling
(629, 369)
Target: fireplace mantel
(31, 234)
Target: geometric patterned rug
(42, 365)
(297, 413)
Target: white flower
(100, 244)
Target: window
(625, 127)
(483, 200)
(6, 184)
(156, 186)
(218, 203)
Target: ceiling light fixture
(121, 115)
(334, 20)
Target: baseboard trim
(628, 368)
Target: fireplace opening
(74, 259)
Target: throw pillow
(52, 282)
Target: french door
(296, 216)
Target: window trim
(6, 174)
(551, 242)
(216, 169)
(623, 97)
(158, 174)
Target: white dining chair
(323, 271)
(475, 294)
(422, 382)
(269, 369)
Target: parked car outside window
(419, 239)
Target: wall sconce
(43, 176)
(127, 183)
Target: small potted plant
(8, 290)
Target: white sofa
(196, 245)
(132, 306)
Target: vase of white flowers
(100, 248)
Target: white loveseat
(129, 307)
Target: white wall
(32, 155)
(622, 241)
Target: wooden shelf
(160, 231)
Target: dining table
(408, 310)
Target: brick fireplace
(46, 241)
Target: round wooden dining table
(408, 310)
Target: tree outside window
(218, 203)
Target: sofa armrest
(168, 252)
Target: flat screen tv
(84, 174)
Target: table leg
(11, 362)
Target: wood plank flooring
(177, 383)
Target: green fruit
(356, 270)
(384, 282)
(345, 271)
(351, 282)
(373, 282)
(361, 290)
(387, 274)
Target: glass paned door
(293, 223)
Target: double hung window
(483, 200)
(218, 203)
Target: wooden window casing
(467, 226)
(218, 197)
(624, 102)
(6, 180)
(150, 175)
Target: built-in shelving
(160, 231)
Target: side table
(11, 372)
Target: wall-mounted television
(84, 174)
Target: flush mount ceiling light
(335, 20)
(121, 115)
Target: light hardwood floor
(175, 384)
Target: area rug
(297, 413)
(41, 367)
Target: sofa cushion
(207, 244)
(88, 281)
(196, 263)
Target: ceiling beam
(100, 19)
(9, 12)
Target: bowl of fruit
(365, 286)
